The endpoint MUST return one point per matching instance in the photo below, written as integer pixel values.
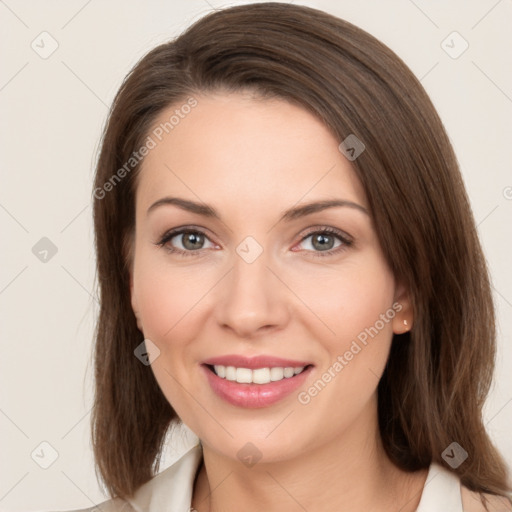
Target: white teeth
(220, 370)
(288, 372)
(230, 372)
(261, 376)
(258, 376)
(276, 374)
(243, 375)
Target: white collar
(171, 490)
(442, 491)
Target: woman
(288, 264)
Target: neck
(350, 473)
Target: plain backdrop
(53, 107)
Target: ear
(135, 307)
(404, 318)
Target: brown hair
(438, 375)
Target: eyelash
(346, 241)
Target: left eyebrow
(289, 215)
(309, 208)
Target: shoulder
(476, 502)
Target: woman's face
(273, 264)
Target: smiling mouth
(257, 375)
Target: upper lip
(261, 361)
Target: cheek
(362, 320)
(366, 306)
(358, 308)
(167, 298)
(355, 306)
(366, 321)
(169, 307)
(348, 299)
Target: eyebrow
(289, 215)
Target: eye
(185, 240)
(326, 240)
(322, 242)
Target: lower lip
(253, 396)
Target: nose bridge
(250, 279)
(252, 297)
(250, 272)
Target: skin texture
(251, 160)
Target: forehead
(236, 148)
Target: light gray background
(52, 112)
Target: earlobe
(403, 320)
(402, 327)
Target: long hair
(438, 375)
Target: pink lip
(254, 362)
(253, 396)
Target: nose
(252, 301)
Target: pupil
(193, 241)
(323, 242)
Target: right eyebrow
(185, 204)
